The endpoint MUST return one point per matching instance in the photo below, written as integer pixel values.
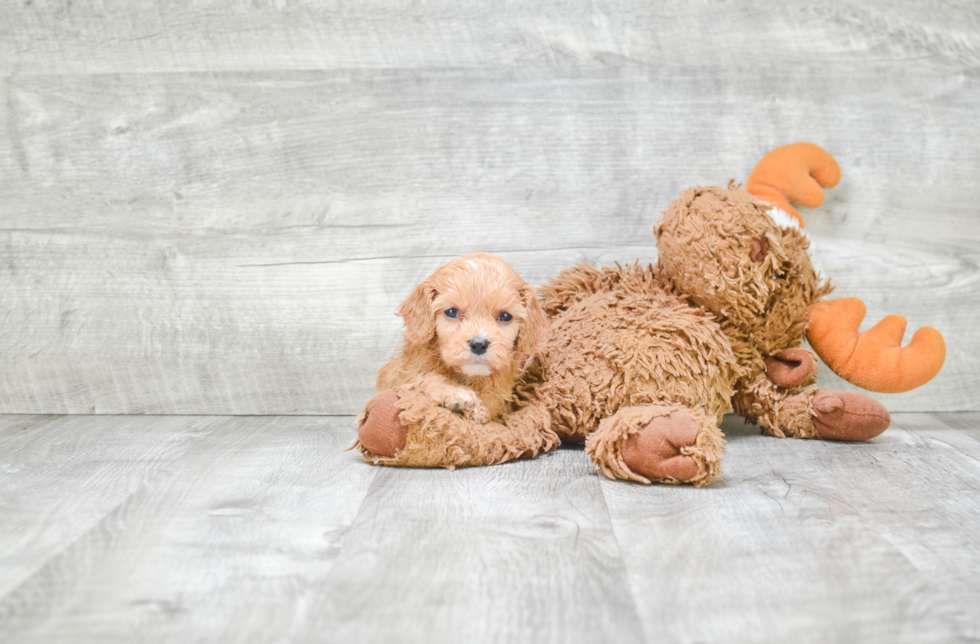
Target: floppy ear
(420, 324)
(535, 323)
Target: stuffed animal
(642, 363)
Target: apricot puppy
(469, 328)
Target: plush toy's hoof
(847, 416)
(380, 432)
(654, 451)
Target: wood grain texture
(59, 476)
(962, 423)
(811, 541)
(255, 530)
(225, 543)
(516, 553)
(53, 37)
(216, 209)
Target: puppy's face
(478, 322)
(479, 312)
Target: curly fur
(436, 357)
(437, 437)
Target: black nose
(479, 346)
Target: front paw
(463, 401)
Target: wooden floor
(261, 529)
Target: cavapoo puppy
(469, 328)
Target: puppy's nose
(479, 346)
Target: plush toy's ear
(420, 323)
(535, 322)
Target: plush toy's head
(746, 261)
(722, 248)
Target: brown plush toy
(642, 363)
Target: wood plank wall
(216, 208)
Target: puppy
(469, 328)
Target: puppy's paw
(456, 399)
(479, 413)
(462, 401)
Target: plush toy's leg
(834, 415)
(405, 427)
(378, 429)
(662, 443)
(848, 416)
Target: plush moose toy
(642, 363)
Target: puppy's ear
(420, 323)
(535, 324)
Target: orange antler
(874, 359)
(796, 173)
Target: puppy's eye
(452, 313)
(778, 276)
(504, 316)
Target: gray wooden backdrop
(216, 208)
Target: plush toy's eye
(504, 316)
(452, 313)
(778, 276)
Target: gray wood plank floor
(261, 529)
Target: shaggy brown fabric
(630, 343)
(704, 242)
(437, 437)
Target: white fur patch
(476, 370)
(783, 219)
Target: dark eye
(452, 313)
(504, 316)
(778, 276)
